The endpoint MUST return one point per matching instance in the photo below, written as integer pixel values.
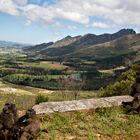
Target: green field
(45, 64)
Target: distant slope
(122, 45)
(5, 44)
(64, 42)
(37, 48)
(44, 47)
(91, 39)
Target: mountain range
(124, 43)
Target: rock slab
(77, 105)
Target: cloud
(95, 13)
(56, 34)
(28, 23)
(20, 2)
(72, 27)
(8, 7)
(100, 25)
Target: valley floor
(25, 97)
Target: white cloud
(9, 7)
(96, 13)
(101, 25)
(20, 2)
(56, 34)
(72, 27)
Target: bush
(31, 80)
(122, 86)
(41, 99)
(118, 88)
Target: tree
(70, 84)
(122, 86)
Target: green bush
(128, 75)
(46, 82)
(121, 86)
(41, 99)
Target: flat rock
(77, 105)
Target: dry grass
(46, 64)
(104, 124)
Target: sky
(38, 21)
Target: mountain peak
(68, 37)
(127, 31)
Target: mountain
(9, 44)
(64, 42)
(71, 44)
(37, 48)
(121, 45)
(58, 44)
(91, 39)
(93, 47)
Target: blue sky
(38, 21)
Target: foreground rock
(77, 105)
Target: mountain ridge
(92, 46)
(88, 39)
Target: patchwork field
(45, 64)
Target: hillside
(64, 42)
(37, 48)
(80, 45)
(122, 45)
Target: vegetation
(104, 124)
(35, 81)
(42, 73)
(41, 99)
(27, 80)
(121, 86)
(27, 71)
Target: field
(102, 124)
(45, 64)
(24, 70)
(24, 96)
(23, 79)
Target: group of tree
(123, 84)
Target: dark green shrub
(41, 99)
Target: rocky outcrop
(64, 42)
(77, 105)
(91, 39)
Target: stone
(77, 105)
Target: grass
(25, 96)
(109, 72)
(102, 124)
(66, 95)
(22, 98)
(45, 64)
